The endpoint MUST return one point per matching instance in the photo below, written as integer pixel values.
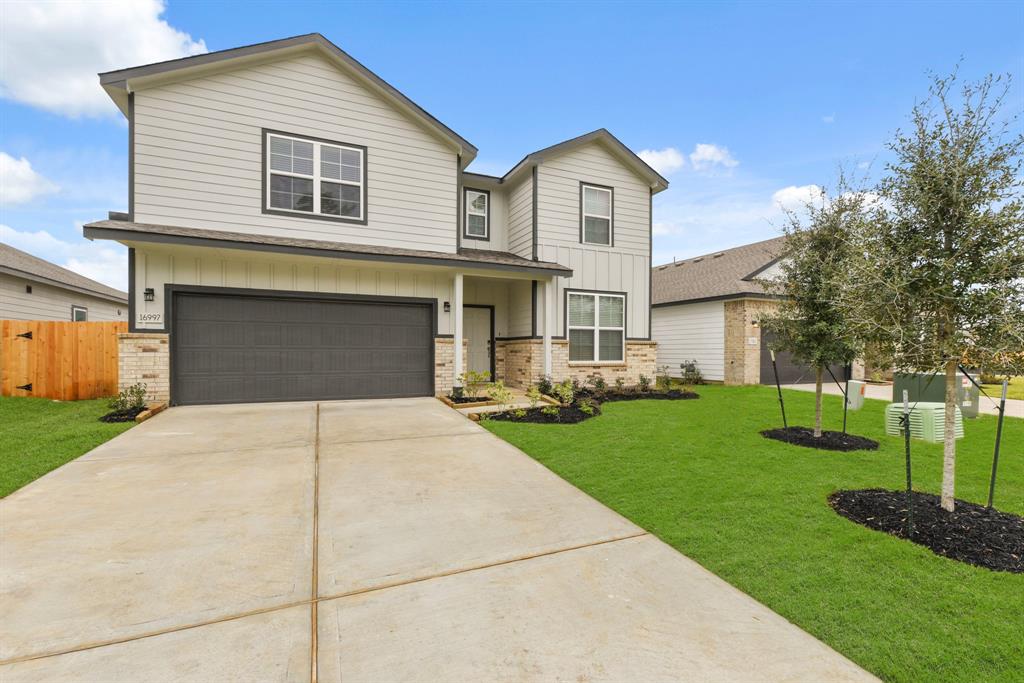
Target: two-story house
(298, 229)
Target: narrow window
(315, 177)
(596, 327)
(478, 211)
(596, 215)
(79, 314)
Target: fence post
(906, 444)
(999, 436)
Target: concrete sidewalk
(368, 540)
(883, 392)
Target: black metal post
(999, 436)
(906, 446)
(778, 387)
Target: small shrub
(990, 378)
(597, 383)
(520, 413)
(550, 410)
(691, 373)
(644, 383)
(662, 380)
(500, 393)
(545, 386)
(458, 392)
(130, 398)
(533, 395)
(620, 385)
(565, 392)
(473, 382)
(586, 407)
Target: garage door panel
(791, 371)
(230, 348)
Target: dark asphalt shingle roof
(716, 275)
(34, 268)
(126, 230)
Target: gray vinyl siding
(520, 216)
(47, 302)
(691, 332)
(198, 155)
(520, 308)
(621, 267)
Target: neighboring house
(299, 229)
(34, 289)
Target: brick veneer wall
(444, 364)
(743, 359)
(524, 362)
(144, 357)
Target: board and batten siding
(621, 267)
(47, 302)
(198, 154)
(691, 332)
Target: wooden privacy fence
(61, 360)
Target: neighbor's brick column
(144, 357)
(742, 358)
(444, 364)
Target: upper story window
(597, 327)
(478, 214)
(79, 314)
(596, 202)
(314, 177)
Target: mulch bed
(971, 533)
(671, 395)
(829, 441)
(468, 399)
(565, 415)
(127, 415)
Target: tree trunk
(949, 439)
(817, 402)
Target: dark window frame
(465, 215)
(265, 185)
(611, 214)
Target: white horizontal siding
(691, 332)
(498, 224)
(198, 155)
(52, 303)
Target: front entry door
(478, 323)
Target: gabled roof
(21, 264)
(126, 231)
(119, 83)
(729, 274)
(601, 135)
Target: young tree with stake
(810, 322)
(939, 274)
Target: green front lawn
(1014, 390)
(38, 435)
(698, 475)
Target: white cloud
(103, 261)
(830, 118)
(52, 51)
(664, 161)
(707, 156)
(795, 197)
(19, 182)
(864, 165)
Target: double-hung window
(478, 208)
(597, 327)
(596, 214)
(315, 178)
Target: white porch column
(457, 331)
(549, 322)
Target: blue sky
(747, 104)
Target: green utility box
(922, 386)
(927, 421)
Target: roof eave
(26, 275)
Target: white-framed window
(596, 327)
(315, 177)
(596, 205)
(478, 212)
(79, 314)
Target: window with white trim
(596, 215)
(79, 314)
(477, 213)
(596, 327)
(315, 178)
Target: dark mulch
(670, 395)
(971, 533)
(829, 441)
(566, 415)
(468, 399)
(127, 415)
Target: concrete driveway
(370, 540)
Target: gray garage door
(791, 371)
(242, 349)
